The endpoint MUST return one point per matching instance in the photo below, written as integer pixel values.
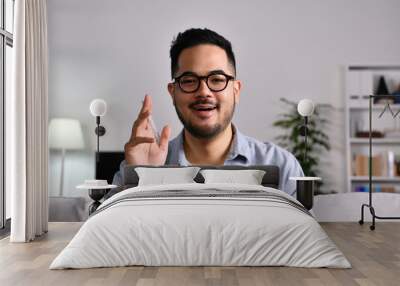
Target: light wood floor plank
(374, 255)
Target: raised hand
(142, 148)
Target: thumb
(164, 138)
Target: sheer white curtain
(27, 151)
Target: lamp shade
(65, 133)
(98, 107)
(305, 107)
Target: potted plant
(293, 141)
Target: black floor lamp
(97, 188)
(305, 185)
(98, 108)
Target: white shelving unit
(375, 179)
(387, 141)
(375, 107)
(362, 81)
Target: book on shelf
(383, 165)
(377, 188)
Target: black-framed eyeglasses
(189, 82)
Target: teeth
(204, 108)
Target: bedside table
(96, 189)
(305, 190)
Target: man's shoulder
(267, 150)
(278, 150)
(269, 153)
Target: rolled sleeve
(118, 176)
(291, 168)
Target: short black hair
(193, 37)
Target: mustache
(204, 101)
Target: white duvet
(223, 231)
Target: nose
(203, 88)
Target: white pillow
(249, 177)
(162, 176)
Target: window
(6, 44)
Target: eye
(217, 78)
(188, 80)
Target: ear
(237, 86)
(171, 90)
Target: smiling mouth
(204, 110)
(202, 107)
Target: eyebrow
(211, 72)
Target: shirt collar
(239, 147)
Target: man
(204, 92)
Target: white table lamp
(65, 134)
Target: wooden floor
(374, 255)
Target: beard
(206, 132)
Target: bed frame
(270, 179)
(109, 162)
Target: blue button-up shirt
(244, 150)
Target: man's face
(205, 113)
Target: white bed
(250, 225)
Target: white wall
(118, 51)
